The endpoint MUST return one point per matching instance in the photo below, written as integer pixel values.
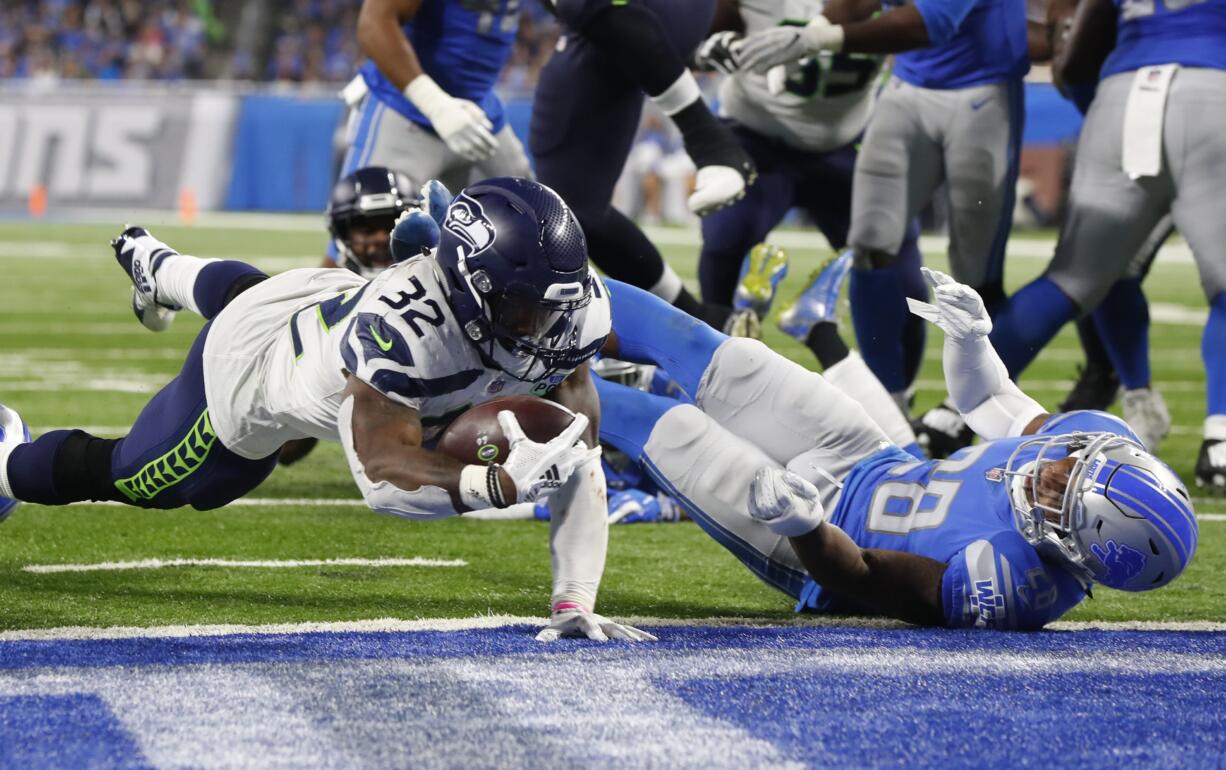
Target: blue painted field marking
(815, 696)
(76, 730)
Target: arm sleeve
(943, 17)
(579, 536)
(979, 387)
(1002, 583)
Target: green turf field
(71, 354)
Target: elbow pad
(426, 502)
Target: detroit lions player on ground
(951, 111)
(507, 305)
(794, 477)
(585, 115)
(1150, 146)
(801, 125)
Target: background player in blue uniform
(952, 112)
(796, 479)
(586, 112)
(1150, 146)
(424, 102)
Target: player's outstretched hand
(539, 469)
(957, 310)
(785, 502)
(583, 624)
(787, 43)
(718, 53)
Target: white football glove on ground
(788, 43)
(460, 123)
(541, 469)
(583, 624)
(785, 502)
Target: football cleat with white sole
(1211, 466)
(941, 431)
(140, 255)
(763, 269)
(817, 302)
(1146, 413)
(12, 433)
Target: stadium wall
(145, 145)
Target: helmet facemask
(527, 337)
(1124, 519)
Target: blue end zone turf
(700, 697)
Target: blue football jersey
(957, 511)
(1191, 33)
(461, 44)
(974, 42)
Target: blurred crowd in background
(295, 41)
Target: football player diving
(794, 477)
(507, 305)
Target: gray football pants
(1111, 216)
(969, 138)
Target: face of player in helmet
(1053, 480)
(370, 242)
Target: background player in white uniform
(1150, 146)
(793, 476)
(800, 123)
(510, 306)
(951, 111)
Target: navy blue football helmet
(362, 212)
(516, 265)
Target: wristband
(481, 487)
(425, 94)
(570, 607)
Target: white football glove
(458, 122)
(785, 502)
(718, 53)
(583, 624)
(958, 309)
(714, 188)
(539, 470)
(788, 43)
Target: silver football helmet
(1125, 521)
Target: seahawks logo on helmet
(466, 220)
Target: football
(476, 437)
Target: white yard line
(397, 625)
(270, 502)
(152, 564)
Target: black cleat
(1097, 387)
(1211, 467)
(942, 431)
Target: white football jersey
(275, 358)
(826, 99)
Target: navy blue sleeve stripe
(400, 384)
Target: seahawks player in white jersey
(794, 477)
(507, 305)
(801, 123)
